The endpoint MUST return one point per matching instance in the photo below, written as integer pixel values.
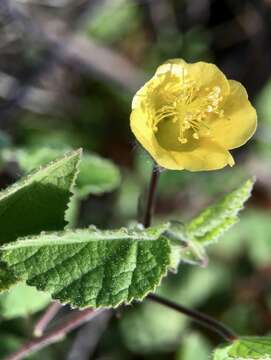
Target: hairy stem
(197, 316)
(73, 321)
(151, 197)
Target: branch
(197, 316)
(76, 319)
(46, 318)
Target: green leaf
(92, 267)
(29, 159)
(207, 227)
(22, 300)
(38, 201)
(96, 174)
(35, 203)
(245, 348)
(7, 277)
(216, 219)
(186, 250)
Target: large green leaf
(91, 267)
(7, 277)
(38, 201)
(246, 348)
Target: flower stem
(151, 197)
(198, 316)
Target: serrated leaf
(36, 202)
(245, 348)
(217, 218)
(92, 267)
(96, 174)
(22, 300)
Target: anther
(196, 136)
(182, 140)
(209, 108)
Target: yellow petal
(240, 119)
(205, 155)
(205, 75)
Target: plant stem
(201, 318)
(45, 319)
(198, 316)
(76, 319)
(151, 197)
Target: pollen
(190, 108)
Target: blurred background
(68, 72)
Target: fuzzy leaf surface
(245, 348)
(192, 238)
(92, 267)
(209, 225)
(36, 203)
(96, 174)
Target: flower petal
(240, 119)
(207, 155)
(205, 75)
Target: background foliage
(68, 71)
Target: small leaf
(216, 219)
(92, 267)
(186, 250)
(36, 202)
(246, 348)
(22, 300)
(97, 176)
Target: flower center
(190, 107)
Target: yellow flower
(188, 116)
